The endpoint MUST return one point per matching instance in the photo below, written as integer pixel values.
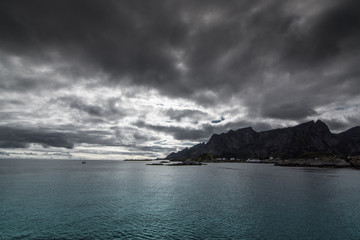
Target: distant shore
(329, 163)
(180, 163)
(138, 160)
(324, 162)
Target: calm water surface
(129, 200)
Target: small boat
(83, 162)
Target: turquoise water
(129, 200)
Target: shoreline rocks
(323, 162)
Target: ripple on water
(120, 200)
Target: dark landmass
(182, 163)
(355, 162)
(307, 144)
(155, 164)
(139, 160)
(187, 163)
(319, 162)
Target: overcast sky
(132, 79)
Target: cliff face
(351, 140)
(311, 137)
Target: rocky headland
(307, 144)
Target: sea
(54, 199)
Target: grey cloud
(335, 124)
(178, 115)
(130, 136)
(149, 151)
(154, 148)
(61, 154)
(280, 60)
(4, 153)
(204, 131)
(256, 125)
(14, 137)
(70, 136)
(288, 111)
(180, 133)
(104, 109)
(139, 137)
(30, 153)
(18, 74)
(342, 124)
(332, 33)
(123, 39)
(21, 138)
(225, 49)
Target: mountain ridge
(306, 138)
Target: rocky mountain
(307, 139)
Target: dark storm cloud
(21, 138)
(293, 111)
(13, 137)
(332, 33)
(138, 40)
(124, 39)
(273, 58)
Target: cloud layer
(153, 76)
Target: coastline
(325, 162)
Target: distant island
(307, 144)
